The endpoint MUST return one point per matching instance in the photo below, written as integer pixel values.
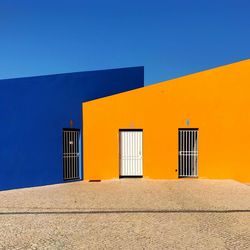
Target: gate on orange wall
(131, 154)
(188, 153)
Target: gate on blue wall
(71, 154)
(34, 111)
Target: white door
(131, 153)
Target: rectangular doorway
(71, 154)
(131, 154)
(188, 153)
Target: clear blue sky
(169, 38)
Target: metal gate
(188, 152)
(131, 153)
(71, 154)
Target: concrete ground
(127, 214)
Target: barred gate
(71, 154)
(188, 152)
(131, 155)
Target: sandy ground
(127, 214)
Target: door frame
(119, 151)
(79, 177)
(197, 156)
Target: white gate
(71, 154)
(131, 153)
(188, 152)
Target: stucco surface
(127, 214)
(216, 102)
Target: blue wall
(33, 112)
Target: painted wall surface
(216, 101)
(33, 113)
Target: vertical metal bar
(188, 170)
(132, 146)
(182, 148)
(185, 153)
(66, 159)
(78, 157)
(125, 153)
(70, 155)
(194, 153)
(178, 153)
(75, 157)
(132, 153)
(77, 170)
(69, 161)
(69, 171)
(192, 150)
(136, 152)
(131, 172)
(189, 153)
(183, 159)
(63, 155)
(197, 153)
(195, 133)
(120, 142)
(181, 151)
(120, 136)
(137, 155)
(135, 134)
(72, 148)
(120, 152)
(139, 152)
(195, 158)
(140, 147)
(74, 154)
(67, 150)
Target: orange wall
(216, 101)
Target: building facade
(41, 123)
(195, 126)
